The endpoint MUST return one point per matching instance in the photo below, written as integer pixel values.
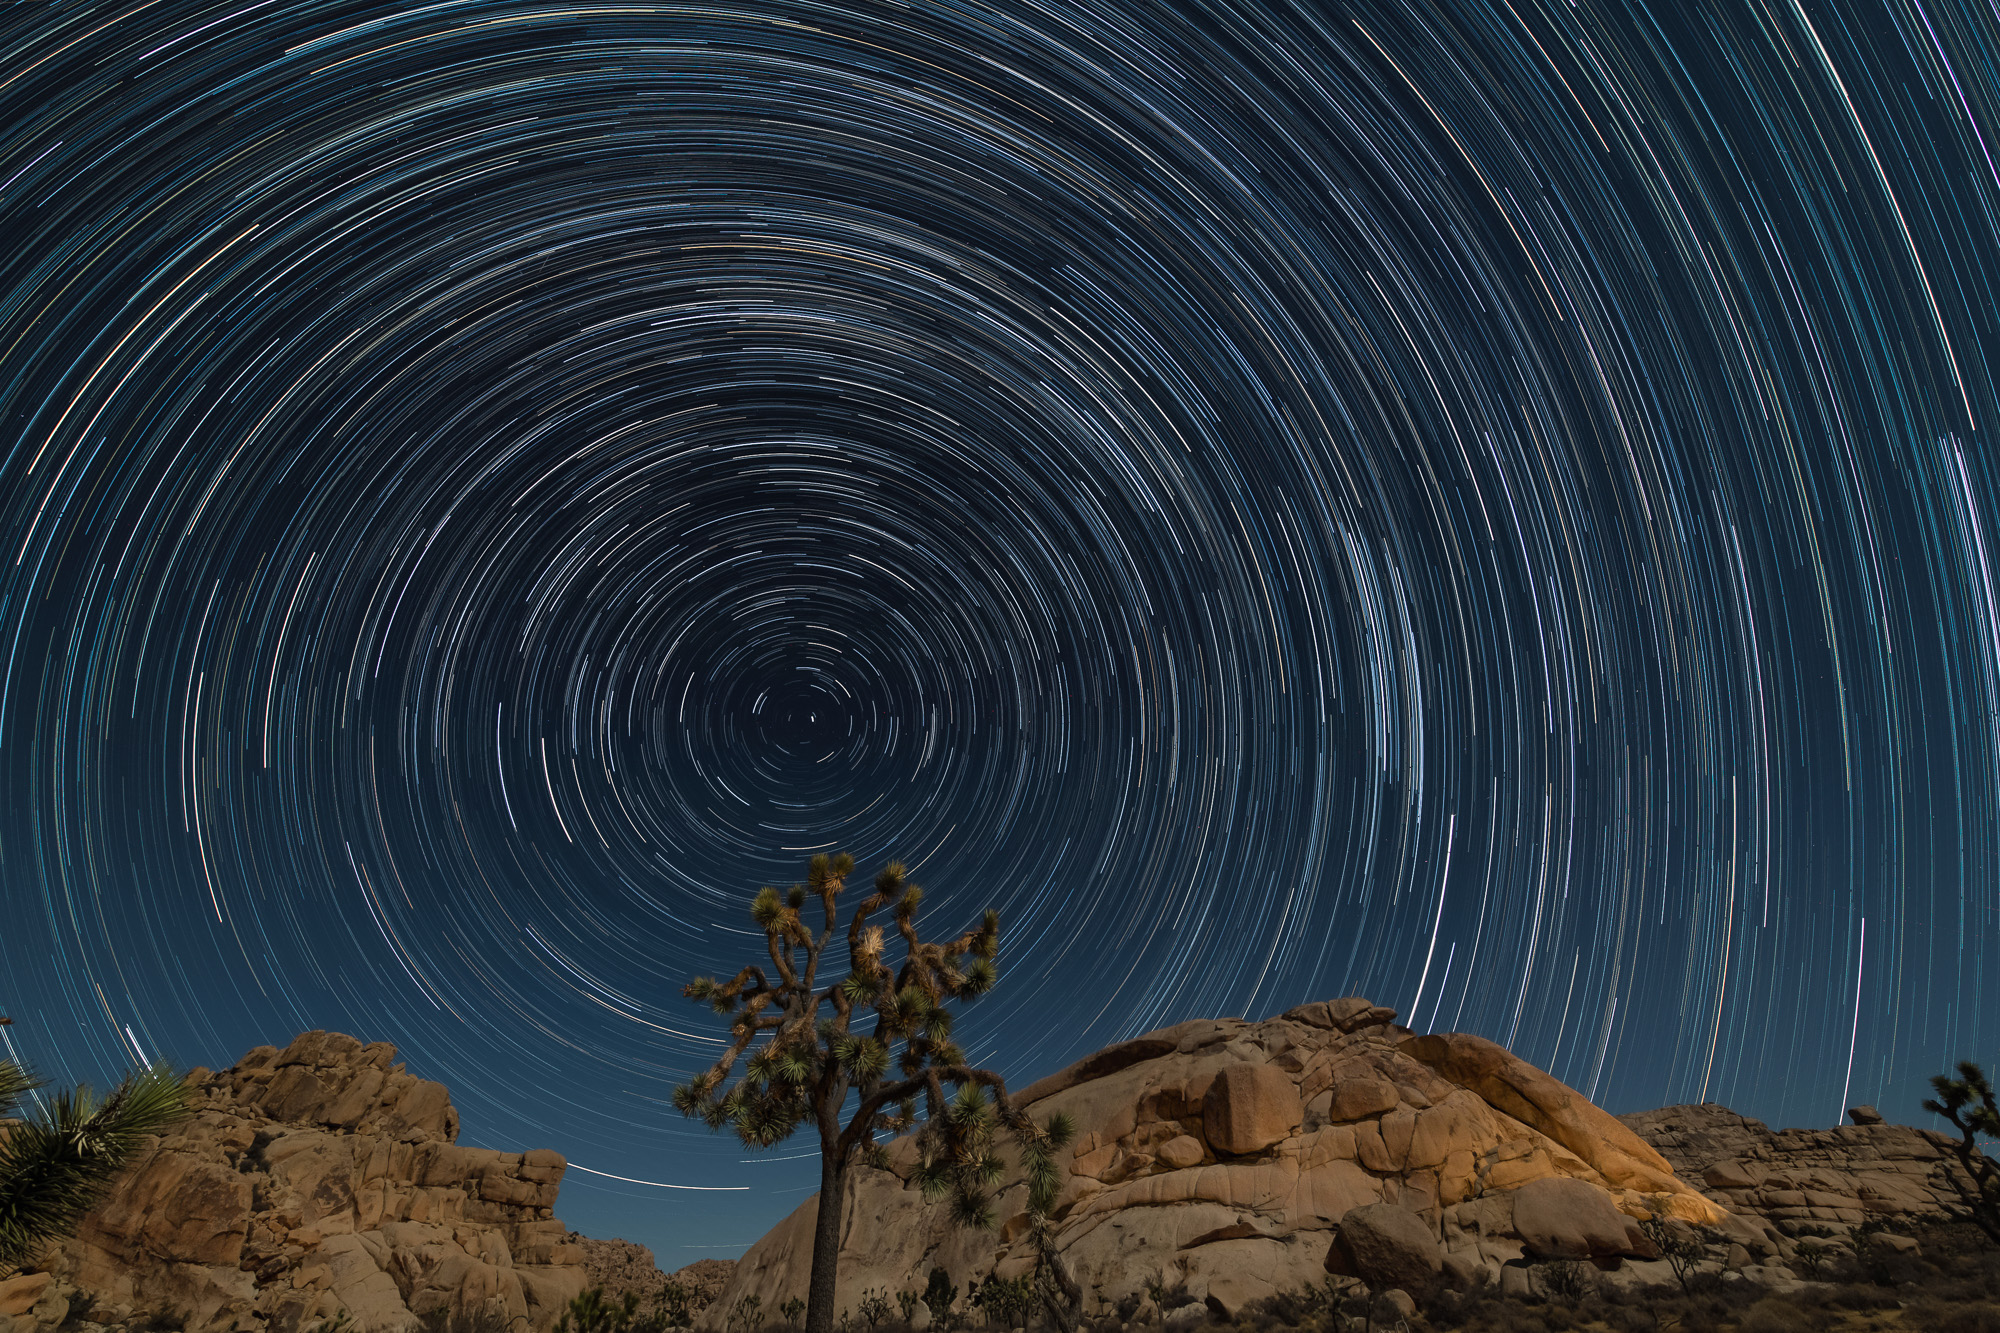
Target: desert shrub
(939, 1294)
(590, 1312)
(793, 1309)
(1684, 1248)
(674, 1307)
(1486, 1312)
(436, 1321)
(742, 1317)
(1970, 1319)
(1775, 1314)
(1171, 1293)
(873, 1307)
(1564, 1280)
(1296, 1308)
(1006, 1303)
(1859, 1296)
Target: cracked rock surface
(1226, 1153)
(309, 1181)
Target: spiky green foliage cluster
(1967, 1101)
(801, 1046)
(56, 1166)
(882, 1030)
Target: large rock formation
(314, 1180)
(1227, 1153)
(1833, 1178)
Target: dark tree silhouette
(56, 1166)
(819, 1051)
(1967, 1101)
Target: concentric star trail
(1485, 506)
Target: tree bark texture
(822, 1308)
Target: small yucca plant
(57, 1166)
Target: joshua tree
(55, 1167)
(1967, 1101)
(819, 1051)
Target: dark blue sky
(1490, 508)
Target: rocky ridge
(312, 1181)
(1231, 1155)
(1808, 1179)
(623, 1267)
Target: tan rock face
(19, 1294)
(1361, 1098)
(1512, 1085)
(1563, 1218)
(1386, 1247)
(317, 1179)
(1250, 1107)
(1211, 1147)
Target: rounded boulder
(1249, 1107)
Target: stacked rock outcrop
(1833, 1178)
(623, 1267)
(1227, 1154)
(316, 1180)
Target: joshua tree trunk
(821, 1296)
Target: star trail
(1488, 506)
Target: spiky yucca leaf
(980, 976)
(1038, 1155)
(15, 1083)
(766, 907)
(55, 1167)
(971, 1210)
(871, 1058)
(987, 942)
(932, 1177)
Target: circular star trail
(1485, 506)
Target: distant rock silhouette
(1228, 1154)
(309, 1181)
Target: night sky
(1491, 507)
